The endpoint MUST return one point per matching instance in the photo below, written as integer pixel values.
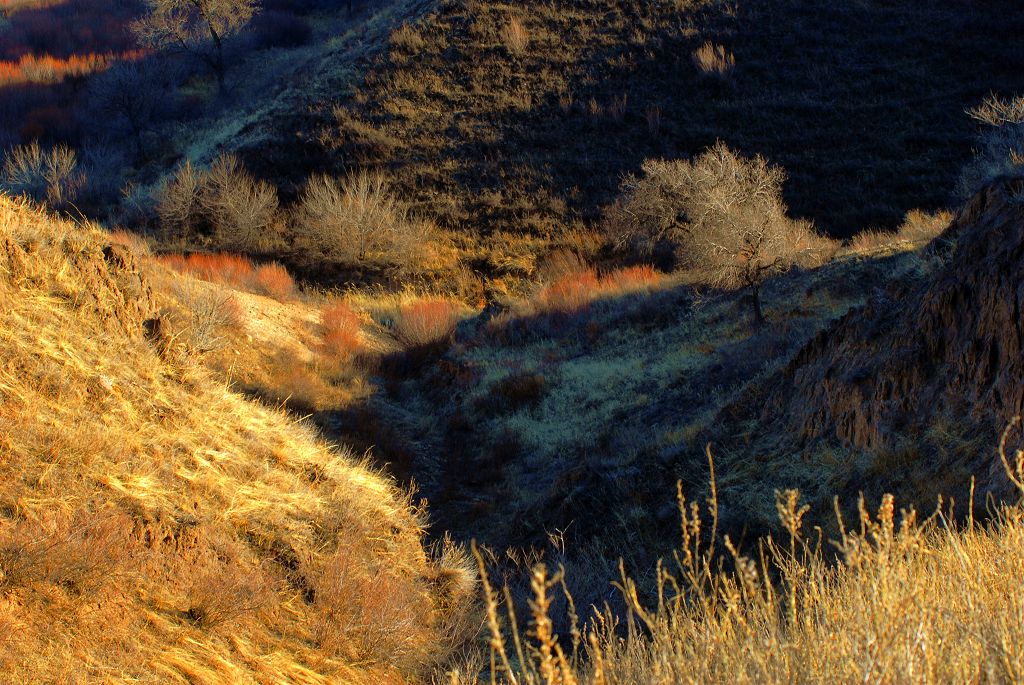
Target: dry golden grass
(916, 231)
(156, 527)
(516, 36)
(908, 601)
(713, 59)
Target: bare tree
(724, 214)
(131, 98)
(197, 27)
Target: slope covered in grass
(156, 527)
(501, 120)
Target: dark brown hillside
(495, 118)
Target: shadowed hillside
(497, 119)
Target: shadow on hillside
(861, 102)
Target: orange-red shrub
(217, 268)
(569, 293)
(573, 292)
(630, 279)
(274, 281)
(426, 322)
(340, 335)
(47, 69)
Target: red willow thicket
(45, 44)
(46, 69)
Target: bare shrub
(227, 593)
(51, 176)
(241, 208)
(358, 221)
(210, 314)
(371, 609)
(235, 210)
(996, 111)
(178, 204)
(197, 27)
(724, 214)
(713, 59)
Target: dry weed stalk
(904, 601)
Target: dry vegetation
(525, 265)
(156, 527)
(907, 601)
(507, 134)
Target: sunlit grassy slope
(156, 527)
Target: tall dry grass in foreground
(907, 601)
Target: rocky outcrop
(948, 347)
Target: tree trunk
(755, 300)
(218, 58)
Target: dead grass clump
(516, 36)
(273, 280)
(427, 322)
(909, 601)
(713, 59)
(917, 230)
(1000, 148)
(407, 39)
(919, 227)
(204, 516)
(133, 241)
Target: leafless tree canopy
(724, 213)
(198, 27)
